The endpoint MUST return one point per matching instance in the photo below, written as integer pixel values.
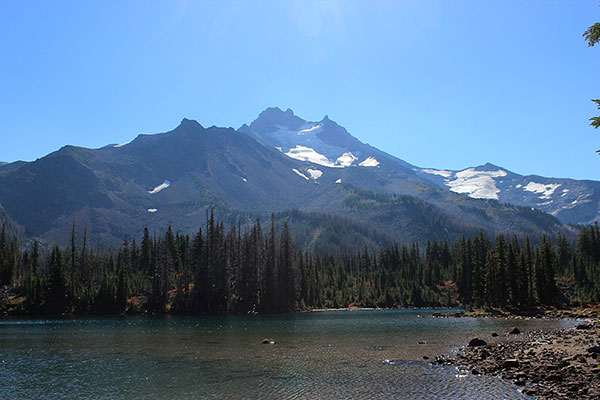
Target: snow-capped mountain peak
(326, 144)
(569, 200)
(319, 142)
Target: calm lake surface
(319, 355)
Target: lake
(318, 355)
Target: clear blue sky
(442, 84)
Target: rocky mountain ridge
(266, 167)
(327, 144)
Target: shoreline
(555, 364)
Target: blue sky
(441, 84)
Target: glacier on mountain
(477, 184)
(346, 159)
(444, 173)
(474, 183)
(304, 153)
(546, 190)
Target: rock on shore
(559, 364)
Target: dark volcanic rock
(475, 342)
(514, 331)
(584, 326)
(594, 349)
(511, 363)
(550, 365)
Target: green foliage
(215, 272)
(505, 273)
(241, 270)
(592, 35)
(595, 120)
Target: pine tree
(6, 267)
(56, 299)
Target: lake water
(319, 355)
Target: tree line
(478, 272)
(244, 270)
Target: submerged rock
(514, 331)
(268, 341)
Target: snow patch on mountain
(369, 162)
(339, 180)
(346, 159)
(301, 174)
(152, 210)
(315, 173)
(476, 184)
(312, 128)
(160, 187)
(304, 153)
(546, 191)
(444, 173)
(122, 144)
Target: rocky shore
(558, 364)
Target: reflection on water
(328, 355)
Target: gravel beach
(557, 364)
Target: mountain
(324, 142)
(155, 180)
(420, 209)
(338, 193)
(328, 144)
(3, 163)
(571, 201)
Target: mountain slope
(173, 178)
(155, 180)
(571, 201)
(326, 143)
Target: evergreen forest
(245, 269)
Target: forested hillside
(241, 269)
